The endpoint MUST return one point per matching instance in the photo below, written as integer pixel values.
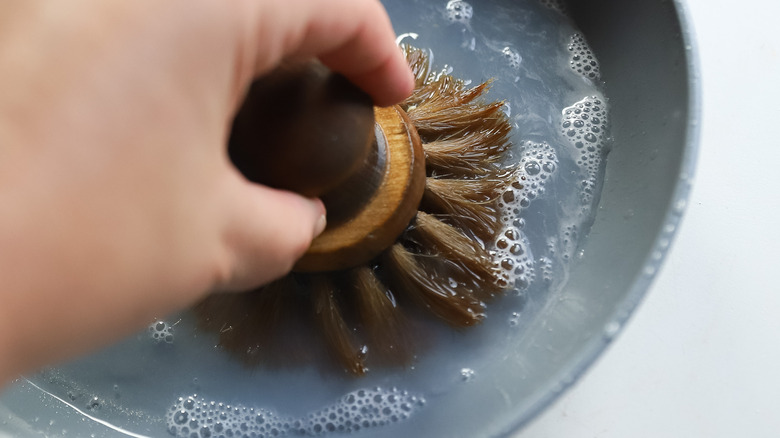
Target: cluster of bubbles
(582, 59)
(161, 331)
(512, 57)
(459, 11)
(513, 259)
(192, 417)
(536, 166)
(514, 319)
(90, 403)
(584, 124)
(566, 245)
(546, 265)
(467, 374)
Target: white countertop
(701, 355)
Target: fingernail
(320, 225)
(322, 222)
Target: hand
(118, 203)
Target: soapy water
(548, 77)
(361, 409)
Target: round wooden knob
(306, 129)
(385, 215)
(302, 128)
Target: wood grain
(387, 213)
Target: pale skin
(118, 203)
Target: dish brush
(411, 193)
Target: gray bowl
(648, 65)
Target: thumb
(268, 231)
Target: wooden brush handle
(306, 129)
(302, 128)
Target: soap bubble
(512, 57)
(459, 11)
(585, 125)
(582, 59)
(161, 332)
(192, 417)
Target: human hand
(118, 202)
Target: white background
(701, 356)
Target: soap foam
(459, 11)
(161, 332)
(582, 59)
(585, 126)
(192, 417)
(512, 57)
(512, 253)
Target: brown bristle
(223, 312)
(471, 203)
(437, 87)
(419, 63)
(469, 154)
(457, 307)
(333, 328)
(385, 325)
(447, 242)
(437, 119)
(260, 327)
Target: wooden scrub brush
(410, 192)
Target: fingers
(269, 231)
(388, 82)
(352, 37)
(359, 43)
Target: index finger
(352, 37)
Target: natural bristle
(334, 329)
(470, 154)
(453, 304)
(261, 327)
(447, 114)
(448, 243)
(419, 63)
(469, 203)
(440, 266)
(385, 325)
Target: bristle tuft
(419, 61)
(334, 329)
(473, 153)
(469, 203)
(433, 291)
(447, 242)
(249, 324)
(385, 325)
